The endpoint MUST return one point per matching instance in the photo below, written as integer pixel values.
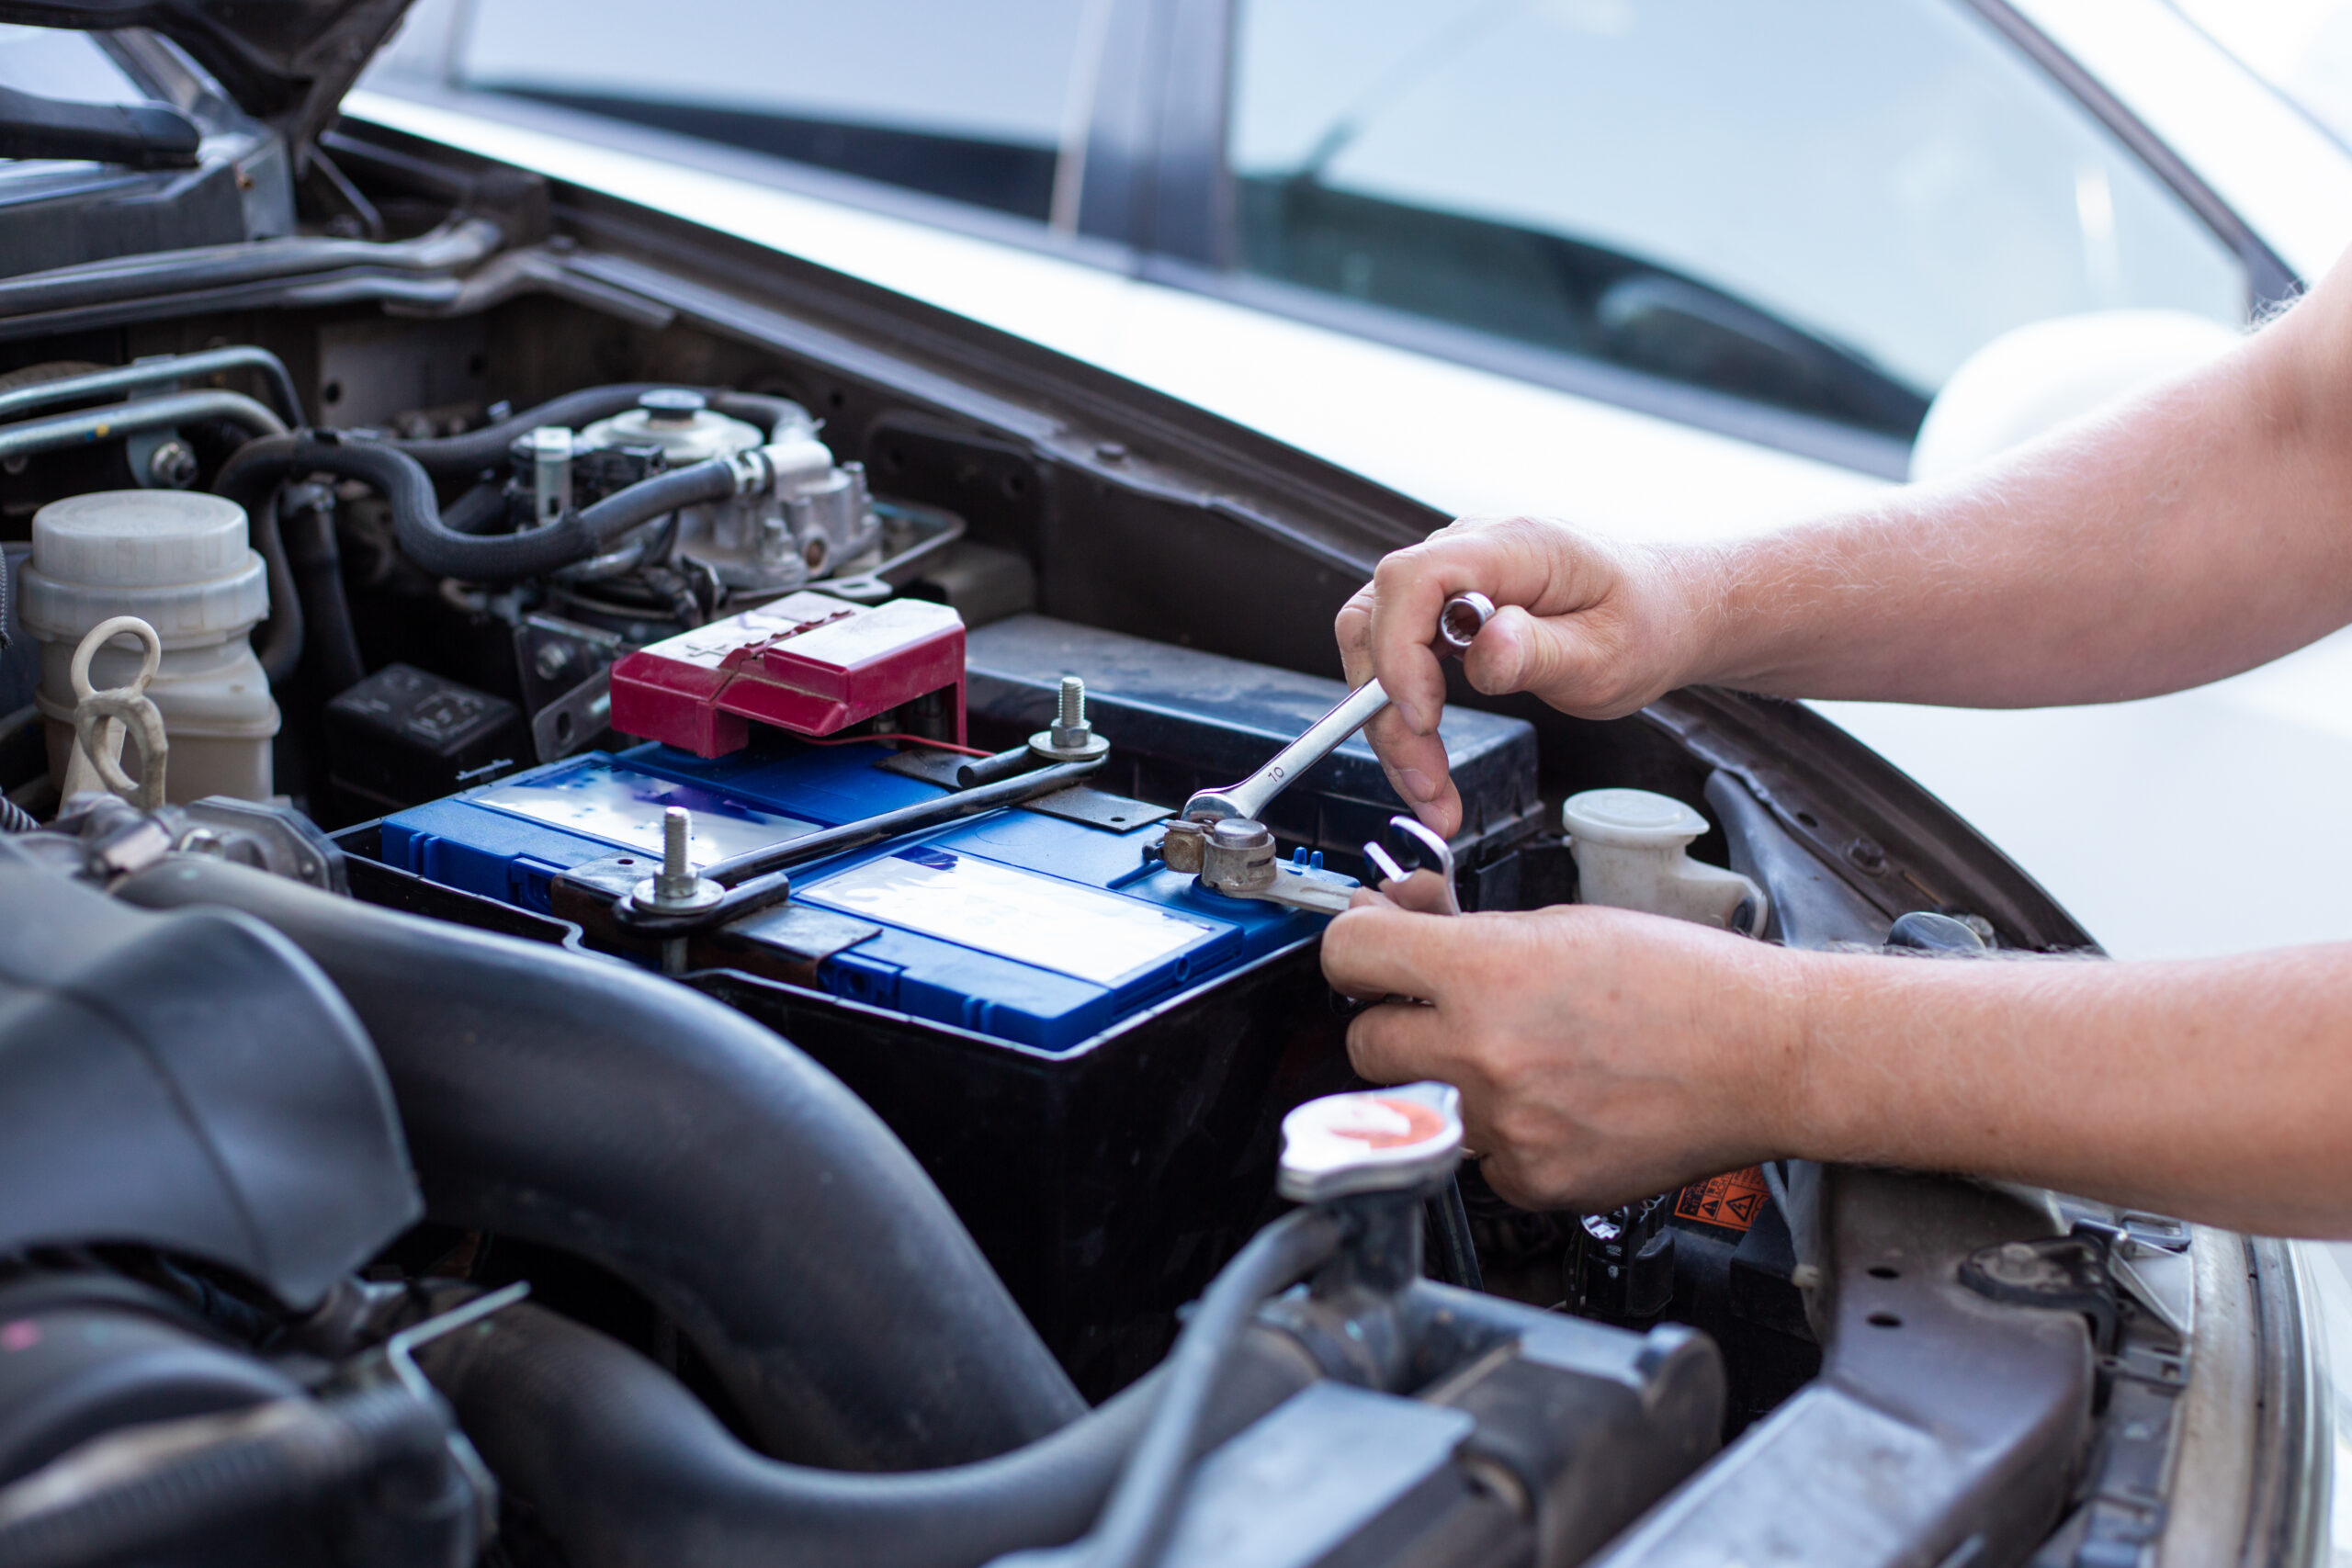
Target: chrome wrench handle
(1252, 795)
(1458, 623)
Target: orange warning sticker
(1731, 1201)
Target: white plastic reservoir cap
(1633, 818)
(177, 560)
(1380, 1140)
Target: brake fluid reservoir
(1632, 850)
(180, 561)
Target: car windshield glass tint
(967, 102)
(1826, 207)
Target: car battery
(1183, 720)
(1034, 926)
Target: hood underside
(284, 62)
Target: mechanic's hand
(1593, 626)
(1602, 1054)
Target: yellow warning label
(1731, 1201)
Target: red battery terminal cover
(808, 663)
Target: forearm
(2218, 1090)
(2204, 530)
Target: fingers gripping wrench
(1458, 625)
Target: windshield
(2302, 47)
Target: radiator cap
(1380, 1140)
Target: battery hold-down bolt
(677, 888)
(1071, 739)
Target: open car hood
(287, 62)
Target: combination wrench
(1219, 834)
(1458, 625)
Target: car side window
(967, 102)
(1824, 206)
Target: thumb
(1552, 657)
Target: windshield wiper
(139, 136)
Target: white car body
(2090, 800)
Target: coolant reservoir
(1632, 850)
(178, 560)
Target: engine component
(130, 1434)
(401, 735)
(810, 664)
(88, 1353)
(180, 562)
(138, 1108)
(1632, 853)
(745, 541)
(601, 1109)
(1353, 1424)
(1393, 1140)
(1621, 1263)
(161, 370)
(167, 411)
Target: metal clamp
(1235, 858)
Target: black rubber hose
(271, 1459)
(626, 1470)
(253, 487)
(1135, 1522)
(459, 457)
(1454, 1250)
(307, 535)
(463, 456)
(643, 501)
(479, 511)
(587, 1105)
(755, 408)
(259, 467)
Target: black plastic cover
(187, 1081)
(403, 736)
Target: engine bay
(612, 960)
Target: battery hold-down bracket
(808, 663)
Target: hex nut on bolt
(1071, 739)
(677, 888)
(172, 466)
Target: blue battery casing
(1029, 927)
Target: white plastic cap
(1380, 1140)
(177, 560)
(1630, 819)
